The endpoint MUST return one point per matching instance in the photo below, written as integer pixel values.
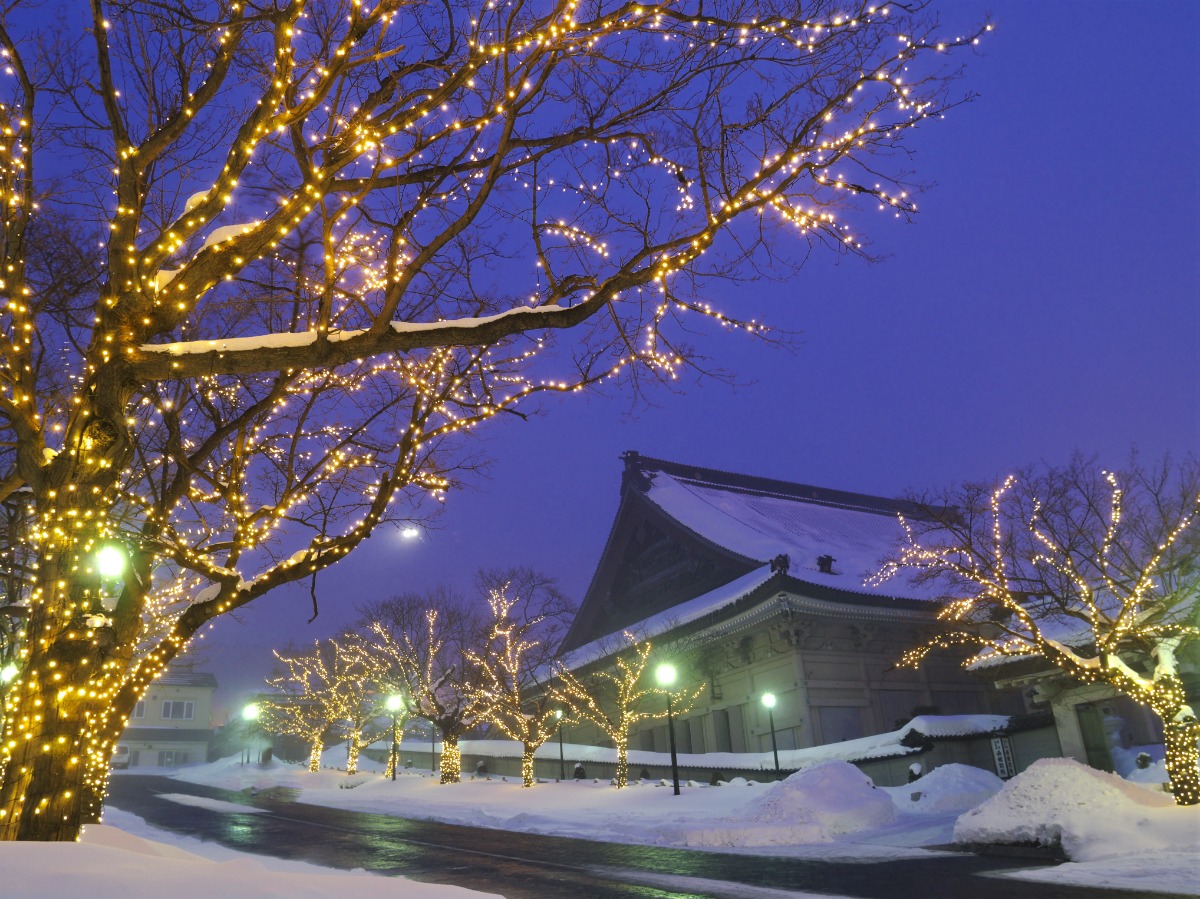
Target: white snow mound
(815, 805)
(1091, 814)
(951, 788)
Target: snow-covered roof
(676, 616)
(759, 520)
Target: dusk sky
(1046, 299)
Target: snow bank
(816, 805)
(947, 789)
(1091, 814)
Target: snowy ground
(126, 859)
(1117, 833)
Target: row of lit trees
(463, 667)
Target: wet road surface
(532, 866)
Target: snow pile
(947, 789)
(1155, 774)
(816, 805)
(1091, 814)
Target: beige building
(172, 725)
(754, 586)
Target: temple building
(751, 585)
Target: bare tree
(527, 624)
(335, 235)
(306, 705)
(422, 641)
(1094, 573)
(328, 691)
(614, 696)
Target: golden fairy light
(1100, 594)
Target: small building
(752, 585)
(1094, 723)
(172, 724)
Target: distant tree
(325, 692)
(616, 695)
(422, 641)
(302, 707)
(1094, 573)
(526, 626)
(331, 234)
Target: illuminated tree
(514, 664)
(337, 232)
(304, 707)
(422, 643)
(616, 695)
(1093, 573)
(328, 691)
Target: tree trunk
(622, 778)
(57, 768)
(314, 756)
(1181, 732)
(527, 779)
(451, 766)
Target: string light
(507, 690)
(613, 697)
(1048, 553)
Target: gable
(649, 564)
(682, 532)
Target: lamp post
(432, 747)
(562, 762)
(394, 704)
(665, 675)
(768, 700)
(249, 715)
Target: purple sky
(1046, 299)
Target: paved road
(530, 866)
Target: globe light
(110, 560)
(394, 703)
(768, 699)
(665, 674)
(250, 712)
(8, 672)
(412, 532)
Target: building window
(177, 708)
(171, 758)
(139, 710)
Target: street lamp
(249, 715)
(394, 704)
(768, 700)
(110, 560)
(665, 675)
(562, 762)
